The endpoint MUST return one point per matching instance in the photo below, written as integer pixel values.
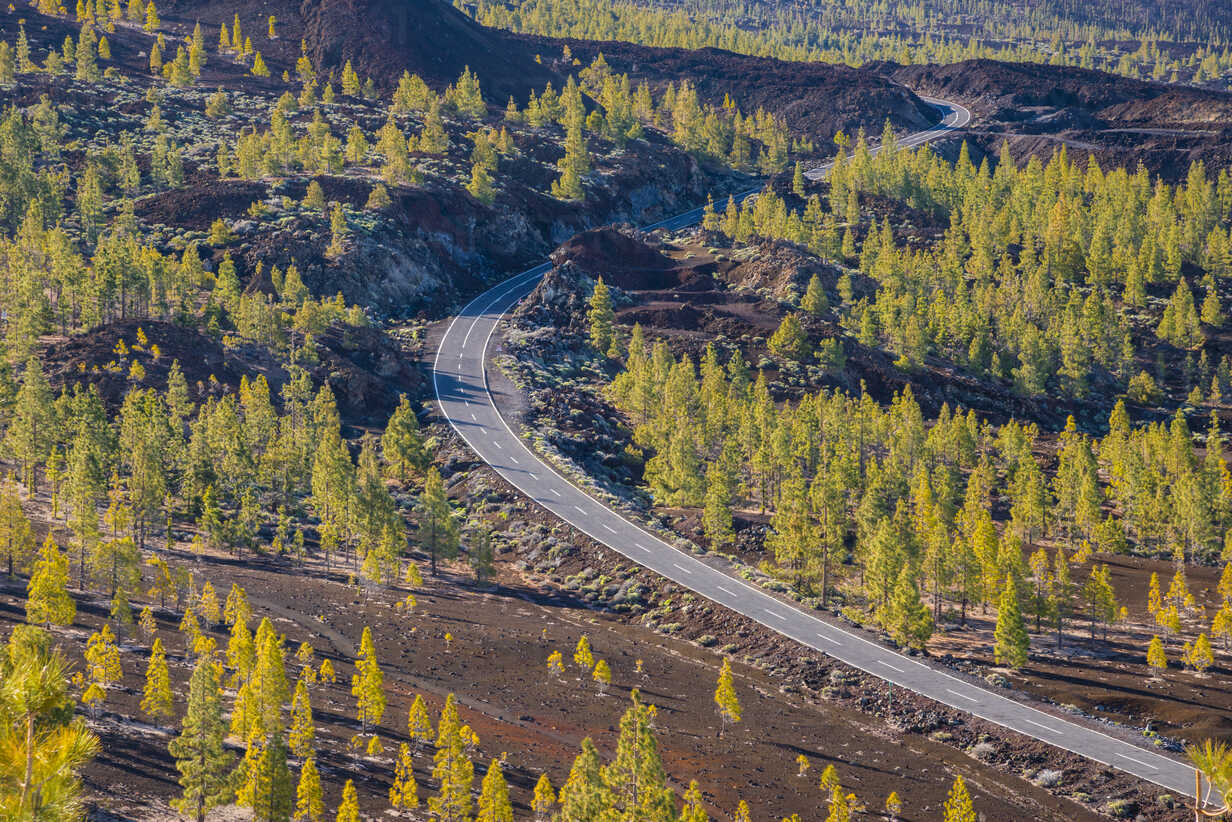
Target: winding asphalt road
(461, 383)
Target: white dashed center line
(964, 696)
(643, 547)
(579, 509)
(609, 528)
(554, 491)
(1139, 761)
(829, 639)
(775, 614)
(724, 590)
(680, 567)
(1041, 725)
(888, 665)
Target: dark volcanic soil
(816, 99)
(383, 38)
(1039, 108)
(493, 658)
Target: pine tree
(583, 657)
(367, 686)
(789, 340)
(452, 769)
(47, 599)
(958, 807)
(494, 805)
(156, 700)
(308, 804)
(16, 536)
(268, 687)
(348, 809)
(151, 17)
(635, 777)
(725, 698)
(418, 724)
(1010, 636)
(1156, 657)
(404, 793)
(402, 444)
(1199, 656)
(480, 187)
(544, 798)
(437, 528)
(102, 667)
(694, 809)
(556, 664)
(303, 732)
(198, 751)
(32, 426)
(267, 786)
(910, 622)
(601, 318)
(44, 746)
(893, 805)
(717, 506)
(814, 301)
(602, 675)
(585, 794)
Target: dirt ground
(494, 660)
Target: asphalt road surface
(461, 383)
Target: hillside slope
(383, 38)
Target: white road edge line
(1042, 725)
(500, 291)
(1139, 761)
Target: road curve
(461, 383)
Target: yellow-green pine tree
(544, 798)
(494, 803)
(303, 731)
(102, 666)
(602, 675)
(348, 809)
(583, 657)
(367, 685)
(404, 793)
(308, 804)
(267, 787)
(452, 769)
(47, 598)
(308, 801)
(419, 724)
(958, 807)
(207, 605)
(204, 764)
(1156, 656)
(156, 701)
(725, 698)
